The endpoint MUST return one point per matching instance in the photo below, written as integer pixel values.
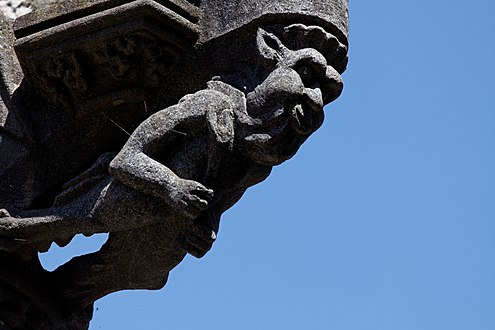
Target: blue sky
(385, 219)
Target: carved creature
(163, 194)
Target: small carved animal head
(287, 105)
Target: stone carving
(61, 75)
(154, 172)
(119, 55)
(234, 140)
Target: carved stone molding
(95, 46)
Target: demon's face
(287, 106)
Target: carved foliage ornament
(139, 57)
(135, 55)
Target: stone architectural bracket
(146, 120)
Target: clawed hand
(191, 196)
(199, 240)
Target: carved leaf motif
(135, 55)
(68, 69)
(60, 78)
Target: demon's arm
(135, 167)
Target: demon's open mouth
(303, 119)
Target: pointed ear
(270, 47)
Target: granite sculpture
(146, 120)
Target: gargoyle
(163, 194)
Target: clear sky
(385, 219)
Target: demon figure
(162, 195)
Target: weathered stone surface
(147, 120)
(223, 16)
(14, 9)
